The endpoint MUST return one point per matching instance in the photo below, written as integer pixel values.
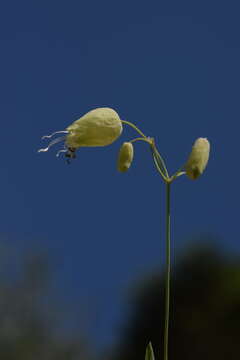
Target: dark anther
(70, 154)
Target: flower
(125, 157)
(198, 158)
(98, 127)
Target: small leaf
(149, 355)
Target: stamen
(55, 141)
(56, 132)
(61, 151)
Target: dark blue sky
(173, 69)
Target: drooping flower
(198, 158)
(98, 127)
(125, 157)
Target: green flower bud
(99, 127)
(125, 157)
(198, 158)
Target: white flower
(99, 127)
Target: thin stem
(159, 169)
(175, 176)
(134, 127)
(168, 269)
(140, 139)
(160, 158)
(178, 173)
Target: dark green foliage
(204, 312)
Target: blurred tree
(205, 311)
(28, 313)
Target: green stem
(178, 173)
(159, 168)
(168, 269)
(164, 168)
(134, 127)
(140, 139)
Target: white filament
(61, 151)
(56, 132)
(55, 141)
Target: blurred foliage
(204, 316)
(31, 325)
(204, 311)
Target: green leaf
(149, 355)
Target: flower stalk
(168, 271)
(101, 127)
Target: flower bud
(99, 127)
(125, 157)
(198, 158)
